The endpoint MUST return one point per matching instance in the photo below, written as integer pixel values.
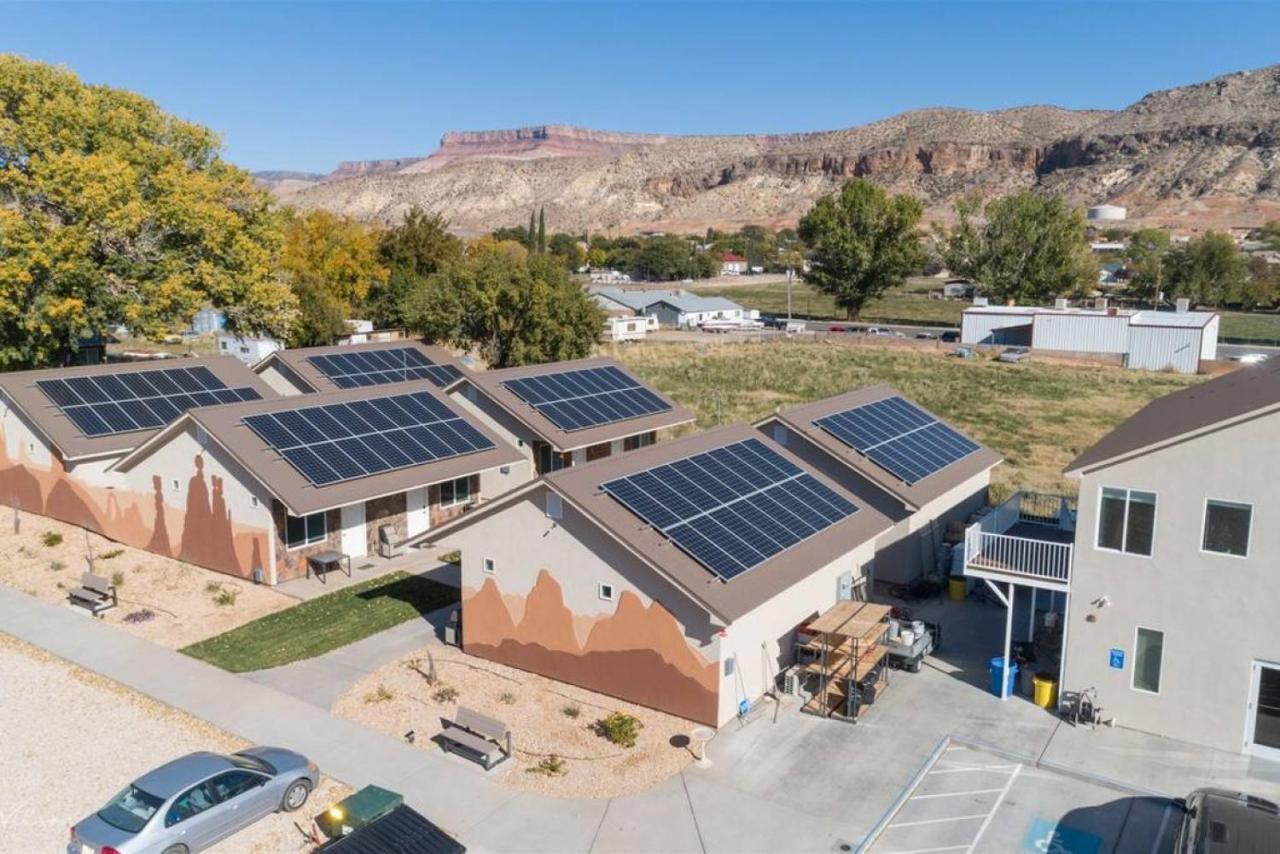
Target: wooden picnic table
(323, 562)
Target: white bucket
(907, 637)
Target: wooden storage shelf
(846, 647)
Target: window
(131, 809)
(605, 592)
(641, 440)
(454, 492)
(176, 487)
(555, 508)
(1126, 521)
(189, 803)
(780, 434)
(1226, 527)
(1148, 657)
(488, 568)
(549, 459)
(305, 530)
(227, 786)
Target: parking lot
(972, 800)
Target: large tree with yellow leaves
(112, 211)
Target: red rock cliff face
(637, 653)
(542, 141)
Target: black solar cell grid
(138, 400)
(590, 397)
(731, 508)
(341, 441)
(900, 437)
(379, 367)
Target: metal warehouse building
(1146, 340)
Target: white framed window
(175, 484)
(487, 566)
(1226, 527)
(605, 592)
(780, 434)
(1126, 521)
(555, 505)
(455, 492)
(1148, 660)
(301, 531)
(253, 500)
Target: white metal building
(1169, 340)
(1106, 212)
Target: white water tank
(1106, 212)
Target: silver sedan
(191, 803)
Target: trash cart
(998, 671)
(1046, 690)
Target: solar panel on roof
(341, 441)
(138, 400)
(732, 508)
(589, 397)
(900, 437)
(378, 367)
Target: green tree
(1263, 287)
(864, 242)
(1033, 249)
(1147, 259)
(542, 230)
(514, 310)
(565, 247)
(1269, 234)
(332, 263)
(532, 243)
(1208, 270)
(959, 247)
(665, 258)
(413, 250)
(112, 211)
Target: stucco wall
(282, 380)
(493, 416)
(1217, 612)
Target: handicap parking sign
(1049, 837)
(1117, 659)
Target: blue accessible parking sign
(1117, 659)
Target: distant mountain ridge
(1206, 155)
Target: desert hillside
(1206, 155)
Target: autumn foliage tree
(112, 211)
(332, 263)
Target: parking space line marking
(939, 820)
(955, 794)
(1002, 768)
(1008, 784)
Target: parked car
(1217, 821)
(838, 328)
(1015, 354)
(1252, 358)
(949, 337)
(926, 336)
(191, 803)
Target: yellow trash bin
(1046, 690)
(958, 586)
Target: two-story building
(1175, 585)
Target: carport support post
(1008, 632)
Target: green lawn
(325, 623)
(1038, 414)
(1262, 328)
(908, 304)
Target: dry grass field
(1039, 414)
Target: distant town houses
(732, 264)
(677, 309)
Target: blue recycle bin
(996, 669)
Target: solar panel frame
(358, 438)
(900, 437)
(383, 366)
(731, 508)
(586, 397)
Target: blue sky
(303, 86)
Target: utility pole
(790, 274)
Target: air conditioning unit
(793, 685)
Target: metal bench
(95, 594)
(478, 737)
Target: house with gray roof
(677, 309)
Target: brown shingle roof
(1242, 392)
(225, 425)
(296, 359)
(801, 419)
(490, 384)
(19, 387)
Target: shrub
(621, 729)
(454, 556)
(57, 565)
(117, 578)
(507, 697)
(51, 539)
(109, 555)
(573, 710)
(445, 694)
(552, 766)
(140, 616)
(380, 695)
(226, 597)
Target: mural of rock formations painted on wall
(637, 653)
(202, 532)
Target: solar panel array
(343, 441)
(900, 437)
(731, 508)
(138, 400)
(378, 367)
(590, 397)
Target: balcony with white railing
(1027, 540)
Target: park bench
(478, 737)
(95, 593)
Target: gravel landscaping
(547, 719)
(166, 601)
(72, 739)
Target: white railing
(1026, 556)
(1040, 508)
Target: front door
(1262, 735)
(354, 542)
(417, 517)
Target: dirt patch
(185, 603)
(83, 737)
(547, 719)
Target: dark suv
(1216, 821)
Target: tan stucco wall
(497, 419)
(1217, 612)
(280, 381)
